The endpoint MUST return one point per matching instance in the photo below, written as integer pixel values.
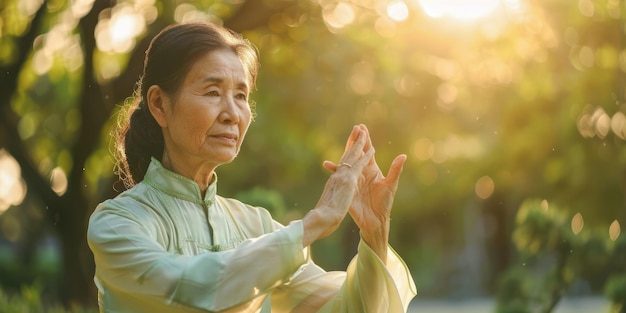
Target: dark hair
(169, 58)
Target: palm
(372, 204)
(371, 207)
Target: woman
(170, 244)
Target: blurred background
(512, 114)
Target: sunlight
(614, 230)
(577, 223)
(124, 27)
(462, 9)
(397, 11)
(58, 181)
(12, 187)
(484, 187)
(118, 33)
(340, 15)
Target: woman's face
(207, 119)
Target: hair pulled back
(169, 58)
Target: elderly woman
(170, 244)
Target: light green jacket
(159, 247)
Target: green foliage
(616, 289)
(514, 292)
(505, 98)
(30, 300)
(554, 253)
(539, 228)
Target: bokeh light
(29, 7)
(117, 33)
(59, 42)
(459, 9)
(614, 230)
(81, 7)
(12, 187)
(339, 15)
(484, 187)
(595, 122)
(577, 223)
(58, 181)
(397, 10)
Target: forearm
(331, 209)
(314, 226)
(378, 240)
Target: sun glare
(398, 11)
(461, 9)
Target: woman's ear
(158, 103)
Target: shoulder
(131, 207)
(127, 204)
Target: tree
(490, 112)
(90, 106)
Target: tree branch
(11, 139)
(255, 13)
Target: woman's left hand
(371, 208)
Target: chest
(192, 229)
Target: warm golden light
(362, 79)
(423, 149)
(614, 230)
(81, 7)
(451, 147)
(595, 122)
(340, 15)
(577, 223)
(397, 10)
(58, 180)
(12, 187)
(118, 33)
(459, 9)
(484, 187)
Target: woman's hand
(340, 188)
(371, 208)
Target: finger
(354, 134)
(355, 149)
(332, 167)
(364, 160)
(356, 165)
(368, 143)
(393, 176)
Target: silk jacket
(161, 247)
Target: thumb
(393, 176)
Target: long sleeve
(160, 247)
(367, 286)
(372, 286)
(139, 272)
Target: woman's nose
(230, 113)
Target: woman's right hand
(340, 189)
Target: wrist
(377, 240)
(318, 224)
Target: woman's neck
(201, 173)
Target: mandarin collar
(176, 185)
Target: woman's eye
(213, 93)
(241, 96)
